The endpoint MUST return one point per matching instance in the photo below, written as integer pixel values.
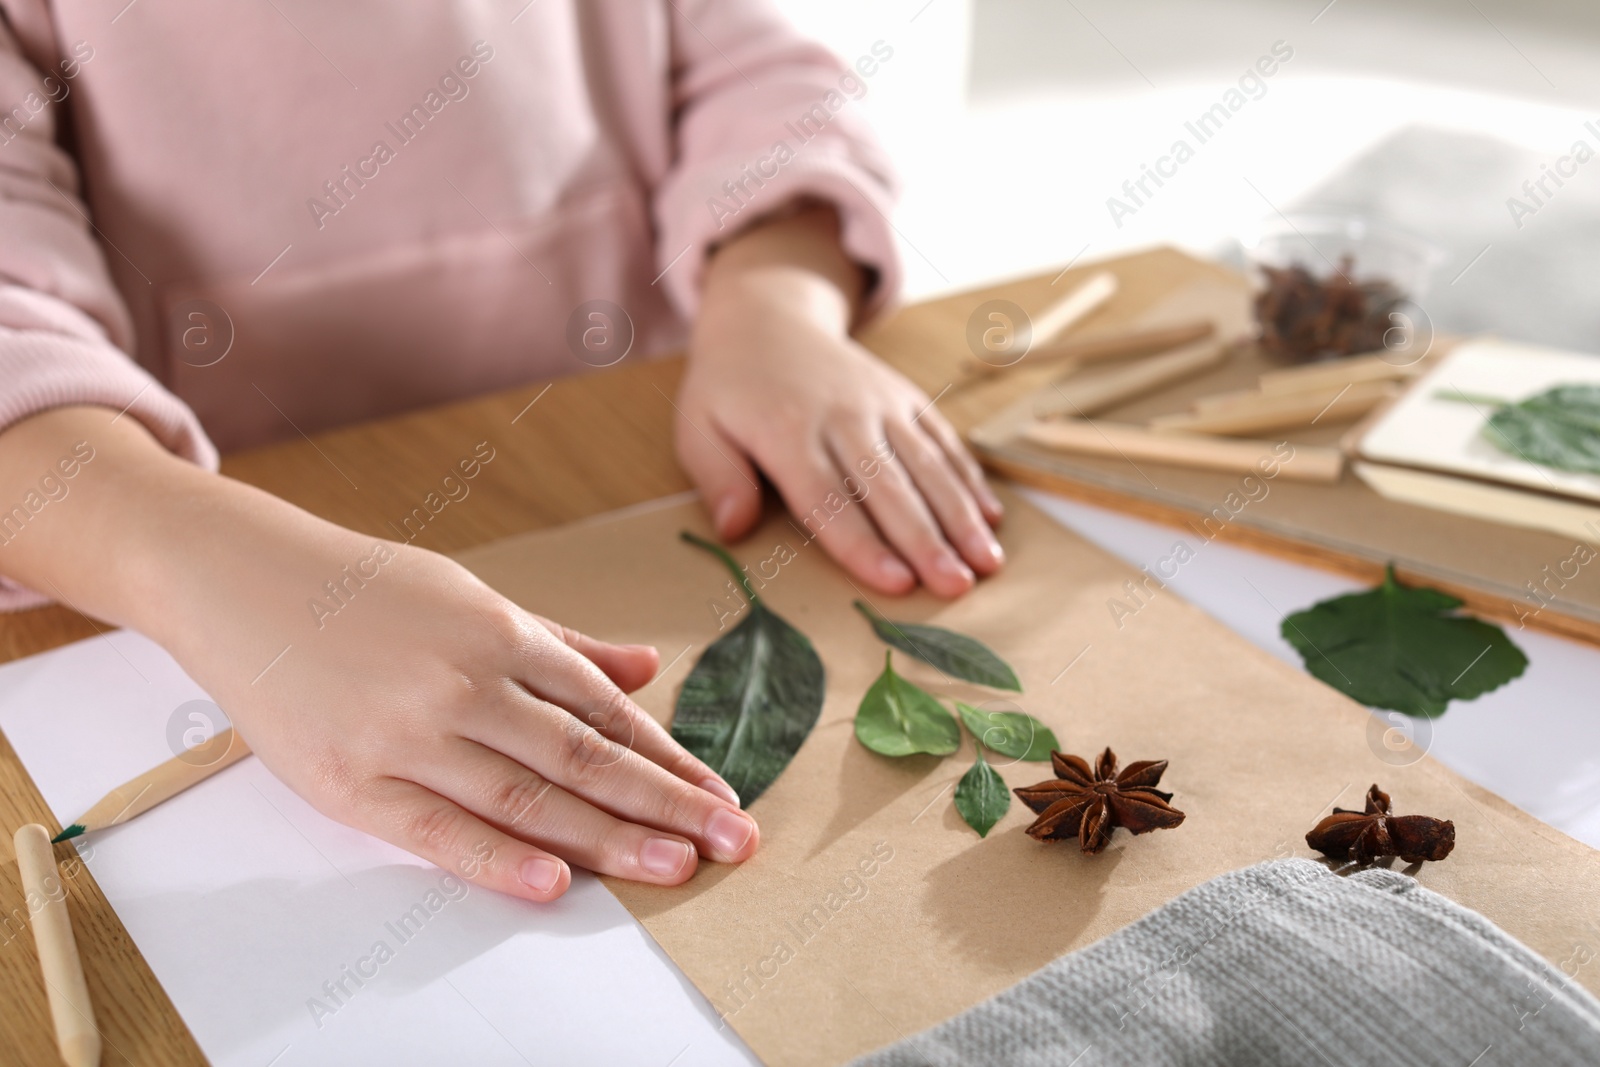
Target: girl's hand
(865, 462)
(383, 683)
(432, 712)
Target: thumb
(727, 480)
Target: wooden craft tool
(1074, 307)
(166, 781)
(1088, 394)
(1079, 395)
(1255, 413)
(68, 992)
(1050, 324)
(1133, 443)
(1118, 346)
(1338, 373)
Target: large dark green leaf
(753, 697)
(1010, 733)
(897, 719)
(1403, 647)
(1559, 427)
(982, 797)
(955, 654)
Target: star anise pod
(1088, 804)
(1377, 832)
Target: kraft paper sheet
(814, 961)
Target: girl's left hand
(863, 459)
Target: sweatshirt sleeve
(65, 333)
(764, 119)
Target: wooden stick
(1337, 373)
(1255, 414)
(1088, 394)
(1119, 439)
(1326, 389)
(165, 782)
(1221, 401)
(1056, 320)
(1121, 345)
(1079, 395)
(1073, 308)
(70, 1009)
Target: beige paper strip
(815, 960)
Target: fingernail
(664, 856)
(722, 518)
(718, 788)
(895, 572)
(988, 549)
(948, 564)
(541, 873)
(729, 832)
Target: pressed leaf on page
(753, 697)
(1403, 647)
(1010, 733)
(955, 654)
(897, 718)
(1558, 428)
(982, 798)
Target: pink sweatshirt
(241, 221)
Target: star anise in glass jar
(1377, 832)
(1088, 805)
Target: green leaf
(955, 654)
(982, 797)
(1559, 428)
(897, 719)
(1403, 647)
(1010, 733)
(752, 699)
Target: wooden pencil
(70, 1009)
(165, 782)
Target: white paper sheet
(252, 908)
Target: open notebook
(1430, 448)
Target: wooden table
(566, 450)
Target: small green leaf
(897, 719)
(752, 699)
(982, 797)
(1559, 428)
(1403, 647)
(955, 654)
(1010, 733)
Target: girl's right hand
(416, 703)
(434, 713)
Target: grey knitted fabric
(1285, 963)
